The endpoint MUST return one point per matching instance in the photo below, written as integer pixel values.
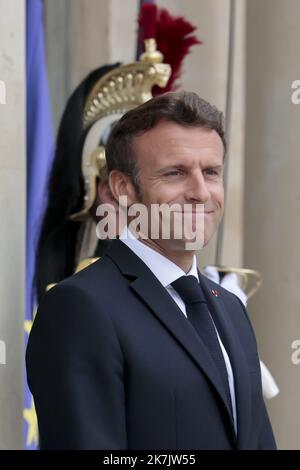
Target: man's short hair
(184, 108)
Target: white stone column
(77, 38)
(12, 210)
(272, 199)
(82, 35)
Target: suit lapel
(233, 346)
(149, 289)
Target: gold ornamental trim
(127, 86)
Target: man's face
(182, 165)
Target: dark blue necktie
(197, 312)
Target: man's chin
(185, 244)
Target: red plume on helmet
(173, 36)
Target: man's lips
(193, 212)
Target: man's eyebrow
(182, 166)
(171, 166)
(215, 167)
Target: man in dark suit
(139, 350)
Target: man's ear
(121, 185)
(104, 194)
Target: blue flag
(39, 159)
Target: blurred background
(246, 65)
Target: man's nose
(197, 189)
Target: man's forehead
(166, 127)
(171, 137)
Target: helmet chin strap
(93, 161)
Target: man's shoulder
(82, 299)
(92, 282)
(99, 274)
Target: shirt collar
(164, 269)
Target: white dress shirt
(167, 272)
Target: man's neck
(182, 258)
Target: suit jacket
(114, 364)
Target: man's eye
(173, 173)
(212, 172)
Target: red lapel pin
(215, 292)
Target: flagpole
(228, 116)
